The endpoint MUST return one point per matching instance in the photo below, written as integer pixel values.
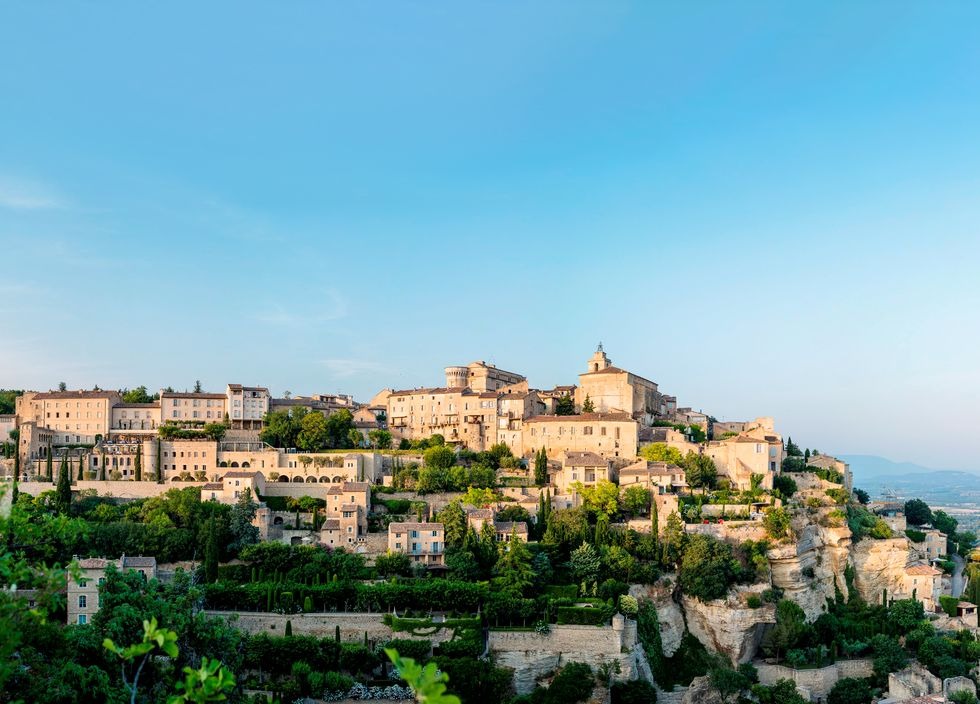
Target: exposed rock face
(913, 681)
(701, 692)
(668, 611)
(879, 565)
(727, 626)
(820, 550)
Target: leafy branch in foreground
(427, 682)
(206, 684)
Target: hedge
(583, 616)
(562, 591)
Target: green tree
(584, 563)
(792, 449)
(480, 498)
(541, 467)
(917, 512)
(587, 405)
(905, 614)
(850, 690)
(81, 467)
(673, 540)
(661, 452)
(138, 395)
(439, 457)
(138, 463)
(565, 406)
(380, 439)
(211, 554)
(636, 499)
(314, 433)
(602, 498)
(453, 519)
(790, 625)
(48, 465)
(889, 656)
(240, 519)
(785, 484)
(776, 522)
(700, 470)
(945, 523)
(393, 563)
(513, 569)
(63, 492)
(862, 496)
(339, 427)
(708, 568)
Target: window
(82, 619)
(82, 601)
(82, 583)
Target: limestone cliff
(727, 626)
(879, 565)
(808, 567)
(669, 612)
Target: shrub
(772, 596)
(573, 684)
(708, 568)
(785, 484)
(850, 690)
(776, 523)
(916, 536)
(754, 601)
(633, 692)
(839, 496)
(584, 616)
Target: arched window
(311, 480)
(283, 478)
(297, 480)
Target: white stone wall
(816, 683)
(352, 625)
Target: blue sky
(768, 208)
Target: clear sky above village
(767, 208)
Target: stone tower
(599, 360)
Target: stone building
(202, 408)
(480, 377)
(605, 434)
(424, 543)
(247, 406)
(72, 417)
(585, 468)
(658, 477)
(135, 418)
(756, 451)
(614, 390)
(925, 582)
(83, 593)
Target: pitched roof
(923, 570)
(348, 507)
(241, 475)
(93, 563)
(355, 486)
(584, 459)
(185, 394)
(330, 524)
(138, 561)
(151, 404)
(644, 467)
(508, 526)
(213, 486)
(75, 394)
(413, 526)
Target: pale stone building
(756, 451)
(135, 418)
(658, 477)
(424, 543)
(247, 406)
(614, 390)
(233, 485)
(480, 377)
(586, 468)
(828, 462)
(925, 582)
(83, 593)
(348, 504)
(503, 530)
(606, 434)
(73, 417)
(192, 408)
(460, 415)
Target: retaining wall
(816, 683)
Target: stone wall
(535, 655)
(817, 683)
(879, 565)
(119, 489)
(730, 531)
(352, 625)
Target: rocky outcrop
(701, 692)
(879, 565)
(727, 626)
(810, 567)
(668, 611)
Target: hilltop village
(594, 542)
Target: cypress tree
(81, 467)
(16, 464)
(48, 466)
(336, 633)
(102, 468)
(14, 492)
(654, 519)
(268, 599)
(139, 462)
(289, 628)
(211, 554)
(62, 500)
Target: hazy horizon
(767, 211)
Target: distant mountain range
(875, 474)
